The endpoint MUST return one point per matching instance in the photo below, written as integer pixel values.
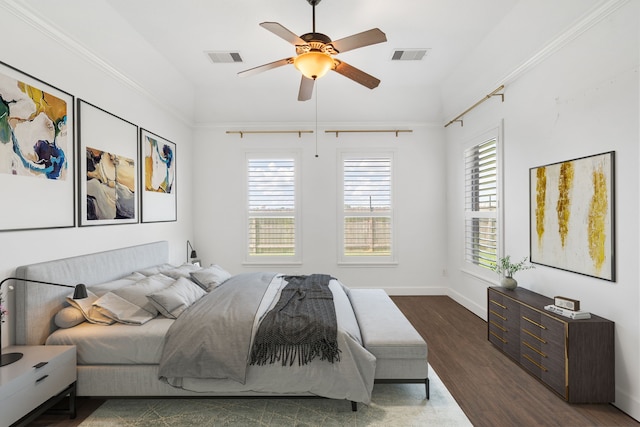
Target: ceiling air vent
(224, 57)
(409, 54)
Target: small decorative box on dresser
(574, 358)
(41, 378)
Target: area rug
(392, 405)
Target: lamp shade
(79, 292)
(314, 64)
(193, 254)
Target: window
(366, 221)
(481, 204)
(272, 222)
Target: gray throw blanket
(301, 326)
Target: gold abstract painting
(571, 223)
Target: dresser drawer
(504, 323)
(542, 349)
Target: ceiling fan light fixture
(314, 64)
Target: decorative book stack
(567, 307)
(571, 314)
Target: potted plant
(505, 267)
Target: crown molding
(592, 17)
(35, 20)
(587, 21)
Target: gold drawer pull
(533, 335)
(535, 363)
(535, 323)
(499, 337)
(498, 304)
(496, 314)
(502, 328)
(534, 349)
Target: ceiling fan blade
(283, 33)
(355, 41)
(306, 89)
(356, 75)
(265, 67)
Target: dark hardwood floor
(491, 389)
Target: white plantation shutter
(271, 190)
(481, 204)
(367, 208)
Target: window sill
(479, 276)
(383, 264)
(272, 263)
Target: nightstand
(33, 384)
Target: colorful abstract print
(110, 186)
(159, 167)
(33, 131)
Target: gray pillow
(103, 288)
(150, 271)
(137, 293)
(129, 304)
(175, 299)
(210, 277)
(182, 271)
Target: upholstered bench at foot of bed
(400, 351)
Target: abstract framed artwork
(37, 179)
(108, 167)
(159, 202)
(572, 215)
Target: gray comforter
(212, 338)
(207, 349)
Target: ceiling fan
(315, 55)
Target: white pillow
(102, 288)
(150, 271)
(68, 317)
(121, 310)
(85, 305)
(129, 304)
(182, 271)
(210, 277)
(137, 293)
(175, 299)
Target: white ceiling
(182, 31)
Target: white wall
(53, 56)
(219, 169)
(583, 99)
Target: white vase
(508, 283)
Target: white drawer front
(36, 386)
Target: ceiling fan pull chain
(316, 120)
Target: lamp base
(9, 358)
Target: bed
(376, 343)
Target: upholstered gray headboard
(36, 304)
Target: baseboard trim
(418, 291)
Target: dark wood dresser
(574, 358)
